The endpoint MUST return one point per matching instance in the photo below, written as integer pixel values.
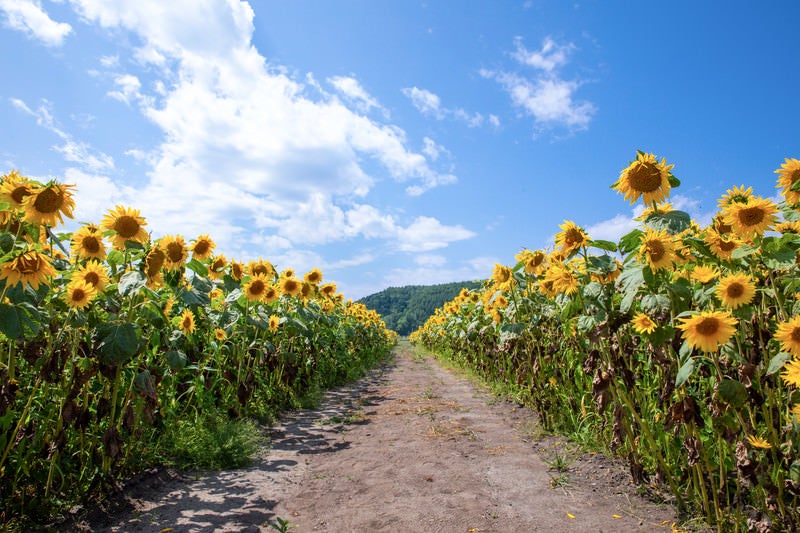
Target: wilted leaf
(777, 362)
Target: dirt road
(412, 447)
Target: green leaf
(743, 251)
(193, 296)
(176, 360)
(197, 267)
(602, 263)
(10, 322)
(145, 384)
(673, 222)
(651, 303)
(780, 259)
(605, 245)
(131, 282)
(673, 181)
(733, 392)
(630, 241)
(685, 372)
(117, 342)
(585, 323)
(777, 362)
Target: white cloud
(249, 151)
(425, 101)
(470, 270)
(427, 233)
(83, 154)
(548, 58)
(109, 61)
(28, 17)
(430, 260)
(545, 96)
(433, 149)
(352, 89)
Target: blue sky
(393, 142)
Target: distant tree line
(404, 309)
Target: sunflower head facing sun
(643, 324)
(788, 333)
(735, 290)
(79, 294)
(126, 225)
(49, 203)
(788, 175)
(657, 249)
(15, 188)
(645, 177)
(571, 237)
(751, 218)
(707, 330)
(202, 247)
(28, 268)
(87, 242)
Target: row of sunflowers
(109, 338)
(677, 347)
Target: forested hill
(404, 309)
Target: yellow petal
(615, 516)
(570, 515)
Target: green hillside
(404, 309)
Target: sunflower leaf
(673, 181)
(673, 222)
(630, 241)
(176, 359)
(743, 251)
(117, 343)
(197, 267)
(733, 392)
(685, 372)
(777, 362)
(10, 322)
(604, 245)
(131, 282)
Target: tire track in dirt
(411, 447)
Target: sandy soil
(412, 447)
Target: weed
(215, 442)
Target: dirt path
(413, 447)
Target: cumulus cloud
(469, 270)
(28, 17)
(544, 94)
(251, 153)
(430, 104)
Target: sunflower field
(110, 339)
(676, 348)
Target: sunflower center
(28, 263)
(257, 287)
(735, 290)
(656, 251)
(175, 252)
(726, 246)
(78, 295)
(126, 226)
(796, 335)
(187, 322)
(751, 216)
(19, 193)
(644, 177)
(290, 285)
(155, 260)
(260, 269)
(201, 247)
(573, 237)
(91, 277)
(708, 326)
(91, 244)
(48, 201)
(218, 265)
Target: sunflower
(15, 188)
(93, 273)
(79, 294)
(29, 268)
(288, 273)
(49, 204)
(791, 373)
(643, 323)
(271, 294)
(202, 247)
(535, 262)
(737, 195)
(274, 322)
(237, 270)
(758, 442)
(721, 245)
(256, 288)
(704, 274)
(571, 237)
(314, 276)
(560, 279)
(220, 334)
(788, 227)
(644, 177)
(87, 242)
(153, 262)
(752, 218)
(217, 267)
(176, 252)
(795, 412)
(328, 290)
(290, 286)
(735, 290)
(658, 209)
(788, 333)
(788, 174)
(708, 329)
(501, 274)
(186, 322)
(261, 267)
(657, 249)
(307, 290)
(169, 304)
(126, 224)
